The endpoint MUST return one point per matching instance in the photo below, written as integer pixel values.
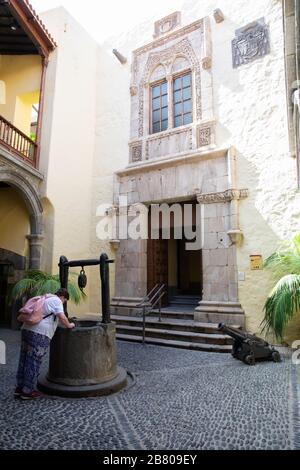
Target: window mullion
(170, 102)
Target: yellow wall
(22, 76)
(67, 148)
(23, 111)
(14, 222)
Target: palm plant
(38, 282)
(284, 300)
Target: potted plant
(38, 282)
(283, 302)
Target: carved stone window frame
(167, 58)
(170, 77)
(193, 43)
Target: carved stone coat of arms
(251, 42)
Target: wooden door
(157, 265)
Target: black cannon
(248, 348)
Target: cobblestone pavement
(183, 400)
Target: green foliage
(40, 283)
(284, 300)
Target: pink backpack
(32, 312)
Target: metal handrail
(148, 301)
(151, 292)
(157, 293)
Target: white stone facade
(245, 111)
(183, 49)
(235, 156)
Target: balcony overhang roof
(21, 30)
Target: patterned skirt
(33, 348)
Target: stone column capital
(35, 238)
(223, 197)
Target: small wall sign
(256, 262)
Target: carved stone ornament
(219, 15)
(133, 90)
(226, 196)
(166, 24)
(206, 45)
(251, 42)
(236, 236)
(206, 63)
(136, 152)
(206, 134)
(115, 244)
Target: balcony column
(35, 250)
(45, 62)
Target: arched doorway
(12, 179)
(20, 236)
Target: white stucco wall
(88, 129)
(250, 109)
(68, 137)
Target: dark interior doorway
(189, 270)
(4, 313)
(169, 262)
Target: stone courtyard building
(201, 109)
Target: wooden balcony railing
(18, 142)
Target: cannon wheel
(249, 360)
(276, 356)
(235, 349)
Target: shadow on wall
(259, 238)
(12, 269)
(48, 229)
(224, 74)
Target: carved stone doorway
(171, 263)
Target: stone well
(83, 362)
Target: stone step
(175, 335)
(211, 309)
(178, 313)
(229, 319)
(176, 344)
(216, 304)
(169, 324)
(183, 303)
(185, 298)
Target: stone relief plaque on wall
(206, 134)
(251, 43)
(136, 152)
(166, 24)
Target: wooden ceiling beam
(20, 11)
